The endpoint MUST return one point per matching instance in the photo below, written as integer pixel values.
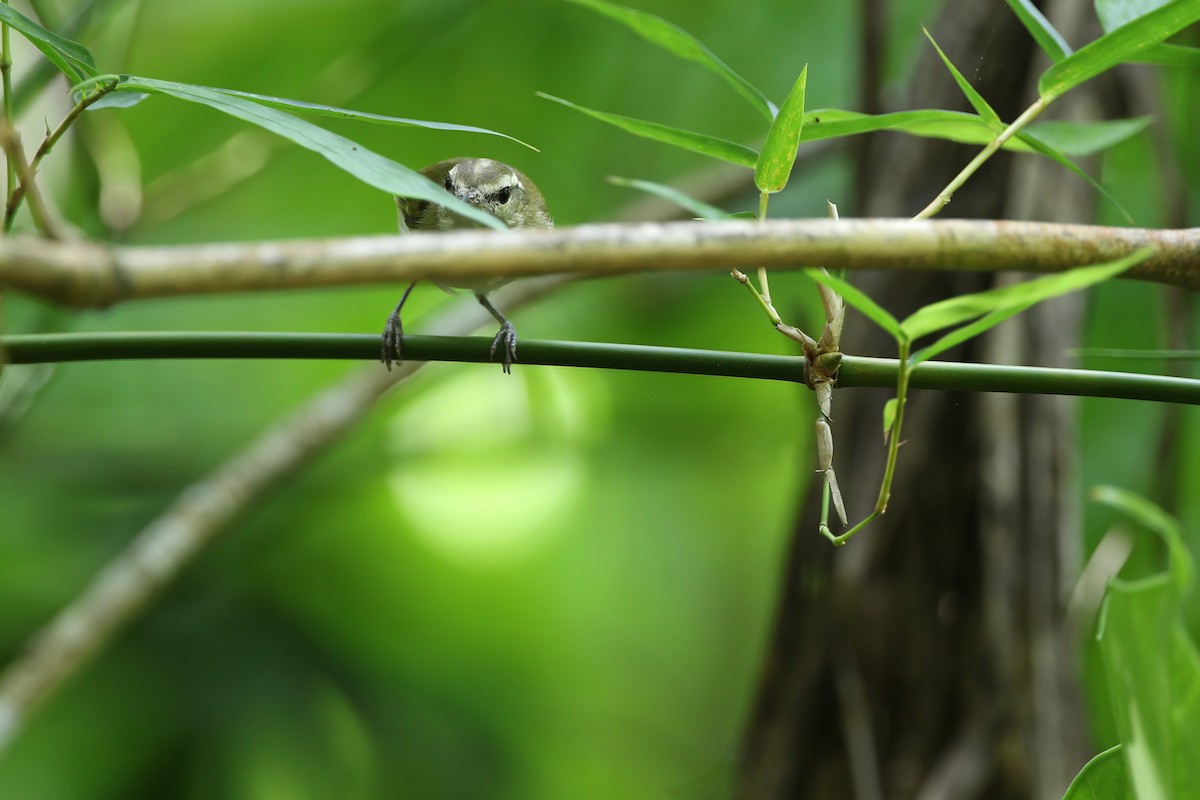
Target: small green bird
(502, 191)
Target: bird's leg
(507, 335)
(393, 333)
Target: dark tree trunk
(930, 657)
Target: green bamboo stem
(855, 372)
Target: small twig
(943, 198)
(18, 194)
(46, 221)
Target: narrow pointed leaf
(966, 333)
(932, 123)
(1086, 138)
(1047, 38)
(72, 58)
(362, 116)
(369, 167)
(956, 310)
(1070, 138)
(682, 44)
(698, 207)
(985, 111)
(702, 143)
(859, 299)
(1121, 45)
(1170, 55)
(783, 137)
(1041, 147)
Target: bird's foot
(393, 334)
(507, 337)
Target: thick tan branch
(91, 275)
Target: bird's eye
(503, 195)
(449, 185)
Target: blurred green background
(555, 584)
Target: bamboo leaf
(956, 310)
(681, 44)
(1047, 38)
(966, 333)
(952, 126)
(1086, 138)
(1121, 45)
(698, 207)
(701, 143)
(369, 167)
(72, 58)
(363, 116)
(985, 111)
(1169, 55)
(859, 299)
(783, 137)
(1038, 145)
(1071, 138)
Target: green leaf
(698, 207)
(117, 100)
(965, 333)
(704, 144)
(682, 44)
(1047, 38)
(985, 111)
(1086, 138)
(1115, 13)
(1103, 778)
(783, 137)
(1072, 138)
(1154, 518)
(857, 298)
(955, 310)
(369, 167)
(1151, 664)
(889, 417)
(1037, 144)
(952, 126)
(1170, 55)
(72, 58)
(1134, 634)
(362, 116)
(1123, 44)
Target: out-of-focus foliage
(555, 584)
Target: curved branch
(87, 275)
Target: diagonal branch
(152, 560)
(87, 275)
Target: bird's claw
(508, 338)
(393, 334)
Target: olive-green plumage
(502, 191)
